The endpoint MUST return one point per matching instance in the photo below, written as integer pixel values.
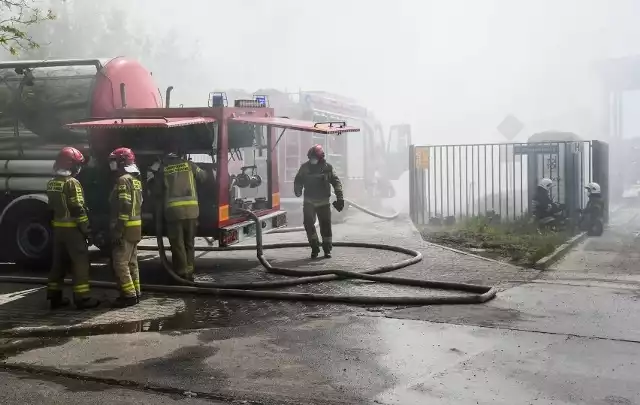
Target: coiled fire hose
(260, 289)
(250, 290)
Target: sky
(451, 68)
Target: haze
(451, 68)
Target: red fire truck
(364, 161)
(97, 105)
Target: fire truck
(97, 105)
(364, 161)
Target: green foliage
(16, 19)
(517, 241)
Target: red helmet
(68, 159)
(124, 156)
(316, 151)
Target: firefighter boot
(125, 302)
(315, 250)
(86, 303)
(326, 248)
(57, 300)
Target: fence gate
(449, 182)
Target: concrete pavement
(570, 336)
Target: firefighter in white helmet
(543, 205)
(592, 214)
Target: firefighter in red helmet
(126, 225)
(175, 186)
(71, 231)
(315, 177)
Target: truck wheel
(27, 235)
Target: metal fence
(457, 181)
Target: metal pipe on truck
(14, 183)
(26, 167)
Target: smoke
(451, 68)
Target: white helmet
(593, 188)
(546, 183)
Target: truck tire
(27, 236)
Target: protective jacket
(66, 200)
(316, 181)
(543, 205)
(176, 183)
(595, 206)
(126, 209)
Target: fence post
(600, 164)
(412, 184)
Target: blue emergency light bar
(262, 100)
(257, 102)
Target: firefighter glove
(338, 205)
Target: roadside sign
(533, 148)
(422, 157)
(510, 127)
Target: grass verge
(517, 242)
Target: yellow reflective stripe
(82, 219)
(182, 203)
(79, 195)
(180, 167)
(55, 186)
(53, 286)
(133, 223)
(123, 217)
(191, 184)
(124, 196)
(79, 200)
(129, 287)
(62, 224)
(136, 283)
(81, 288)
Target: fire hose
(261, 289)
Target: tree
(90, 28)
(16, 18)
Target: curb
(557, 254)
(475, 256)
(547, 261)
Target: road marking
(10, 297)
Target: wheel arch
(14, 203)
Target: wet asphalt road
(566, 336)
(179, 312)
(18, 388)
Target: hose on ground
(476, 293)
(248, 290)
(347, 202)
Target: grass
(518, 242)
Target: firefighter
(71, 231)
(591, 217)
(175, 182)
(126, 225)
(543, 205)
(316, 177)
